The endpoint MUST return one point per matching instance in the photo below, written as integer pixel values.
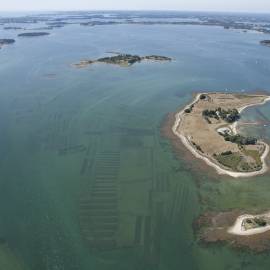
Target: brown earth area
(181, 152)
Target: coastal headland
(208, 129)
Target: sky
(198, 5)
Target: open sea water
(86, 179)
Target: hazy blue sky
(216, 5)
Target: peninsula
(33, 34)
(123, 60)
(208, 128)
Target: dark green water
(86, 181)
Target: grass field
(231, 161)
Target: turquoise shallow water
(86, 180)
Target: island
(208, 128)
(33, 34)
(238, 229)
(12, 28)
(227, 23)
(265, 43)
(123, 60)
(6, 41)
(251, 224)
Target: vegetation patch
(253, 223)
(189, 110)
(197, 147)
(239, 139)
(230, 115)
(265, 43)
(203, 96)
(245, 167)
(229, 160)
(254, 154)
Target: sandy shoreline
(185, 141)
(237, 227)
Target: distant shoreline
(232, 227)
(197, 154)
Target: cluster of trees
(257, 221)
(203, 96)
(239, 139)
(260, 221)
(131, 59)
(230, 115)
(157, 58)
(227, 153)
(210, 114)
(189, 110)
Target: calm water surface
(86, 180)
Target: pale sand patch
(238, 230)
(220, 170)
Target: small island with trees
(235, 227)
(6, 41)
(265, 43)
(208, 128)
(12, 28)
(33, 34)
(123, 60)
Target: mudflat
(236, 228)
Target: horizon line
(136, 10)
